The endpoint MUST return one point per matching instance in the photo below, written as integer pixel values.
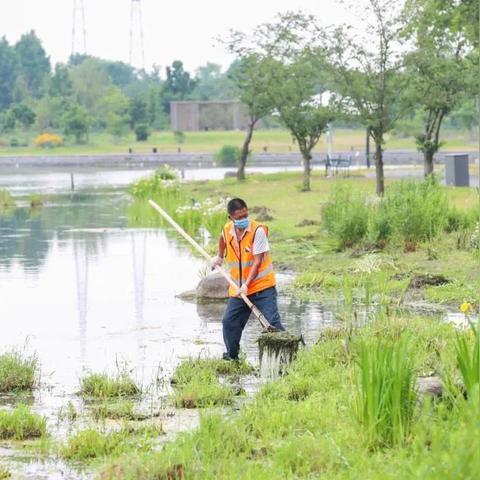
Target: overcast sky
(173, 29)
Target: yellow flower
(465, 307)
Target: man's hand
(217, 262)
(243, 290)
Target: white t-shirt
(260, 243)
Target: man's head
(238, 211)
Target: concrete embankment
(145, 160)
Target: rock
(430, 386)
(261, 214)
(229, 174)
(427, 280)
(189, 295)
(307, 223)
(213, 286)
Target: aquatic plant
(35, 200)
(4, 473)
(6, 199)
(68, 412)
(124, 409)
(385, 396)
(467, 346)
(102, 385)
(196, 382)
(190, 368)
(18, 372)
(21, 424)
(90, 444)
(277, 350)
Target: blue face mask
(242, 224)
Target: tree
(301, 109)
(34, 65)
(23, 114)
(366, 73)
(211, 83)
(61, 84)
(113, 110)
(138, 111)
(77, 122)
(279, 72)
(91, 83)
(178, 84)
(438, 68)
(8, 73)
(250, 76)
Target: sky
(173, 29)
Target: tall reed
(385, 395)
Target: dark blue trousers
(237, 315)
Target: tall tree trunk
(307, 157)
(427, 162)
(245, 151)
(379, 168)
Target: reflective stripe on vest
(239, 258)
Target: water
(87, 293)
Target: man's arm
(257, 260)
(218, 260)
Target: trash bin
(456, 170)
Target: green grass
(18, 372)
(310, 252)
(103, 386)
(90, 444)
(21, 424)
(303, 425)
(196, 382)
(274, 140)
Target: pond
(86, 293)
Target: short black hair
(235, 204)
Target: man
(244, 245)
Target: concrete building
(188, 116)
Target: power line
(137, 49)
(79, 20)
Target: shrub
(385, 398)
(413, 211)
(228, 155)
(165, 173)
(180, 136)
(14, 142)
(345, 217)
(21, 424)
(18, 372)
(48, 140)
(142, 132)
(101, 385)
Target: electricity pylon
(137, 51)
(79, 21)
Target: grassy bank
(348, 408)
(301, 240)
(210, 142)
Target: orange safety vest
(239, 258)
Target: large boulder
(213, 286)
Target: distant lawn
(277, 141)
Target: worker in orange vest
(243, 244)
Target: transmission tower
(137, 51)
(79, 24)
